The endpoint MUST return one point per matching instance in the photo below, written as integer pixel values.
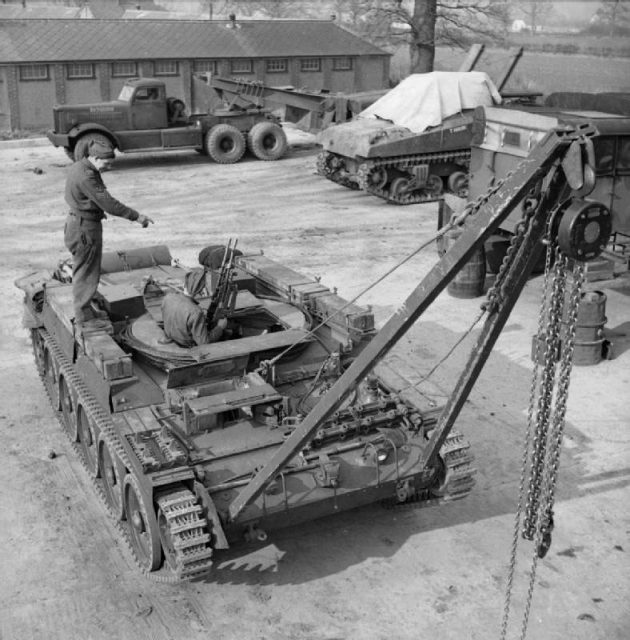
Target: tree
(424, 23)
(614, 16)
(536, 13)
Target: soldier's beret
(99, 150)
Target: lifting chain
(545, 418)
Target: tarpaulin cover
(424, 100)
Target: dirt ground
(370, 574)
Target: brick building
(43, 62)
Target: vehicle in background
(143, 118)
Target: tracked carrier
(295, 414)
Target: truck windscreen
(125, 94)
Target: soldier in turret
(185, 322)
(88, 200)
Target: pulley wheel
(584, 230)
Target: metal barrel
(470, 279)
(589, 331)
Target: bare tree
(614, 16)
(424, 23)
(537, 12)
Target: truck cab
(144, 100)
(142, 117)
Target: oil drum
(469, 281)
(589, 331)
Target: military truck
(504, 136)
(143, 118)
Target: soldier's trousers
(84, 240)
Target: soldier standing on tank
(83, 233)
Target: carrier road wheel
(87, 441)
(111, 477)
(141, 525)
(225, 144)
(67, 408)
(83, 143)
(267, 141)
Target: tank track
(192, 563)
(324, 169)
(457, 477)
(460, 157)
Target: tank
(413, 144)
(170, 436)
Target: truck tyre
(267, 141)
(83, 143)
(225, 144)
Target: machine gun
(223, 296)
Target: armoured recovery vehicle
(295, 414)
(143, 118)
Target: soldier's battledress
(88, 199)
(185, 321)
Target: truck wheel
(267, 141)
(225, 144)
(83, 143)
(69, 152)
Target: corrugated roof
(18, 12)
(62, 40)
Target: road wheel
(458, 184)
(267, 141)
(111, 474)
(399, 187)
(67, 408)
(50, 380)
(87, 442)
(83, 143)
(225, 144)
(142, 526)
(434, 186)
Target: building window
(205, 66)
(78, 70)
(241, 66)
(34, 72)
(342, 64)
(310, 64)
(166, 68)
(277, 65)
(124, 70)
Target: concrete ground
(370, 574)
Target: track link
(404, 163)
(111, 438)
(457, 477)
